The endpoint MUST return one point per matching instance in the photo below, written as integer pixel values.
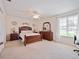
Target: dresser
(47, 35)
(14, 36)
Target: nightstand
(14, 36)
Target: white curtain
(77, 33)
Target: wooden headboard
(24, 28)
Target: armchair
(76, 42)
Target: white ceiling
(42, 7)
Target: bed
(27, 35)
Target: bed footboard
(31, 39)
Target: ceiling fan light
(9, 0)
(36, 16)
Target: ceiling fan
(33, 14)
(9, 0)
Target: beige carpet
(16, 43)
(38, 50)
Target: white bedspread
(27, 34)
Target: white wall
(19, 20)
(2, 27)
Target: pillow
(28, 31)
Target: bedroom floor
(39, 50)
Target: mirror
(46, 26)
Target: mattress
(27, 34)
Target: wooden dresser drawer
(47, 35)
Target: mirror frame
(48, 24)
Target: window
(68, 25)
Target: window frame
(67, 26)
